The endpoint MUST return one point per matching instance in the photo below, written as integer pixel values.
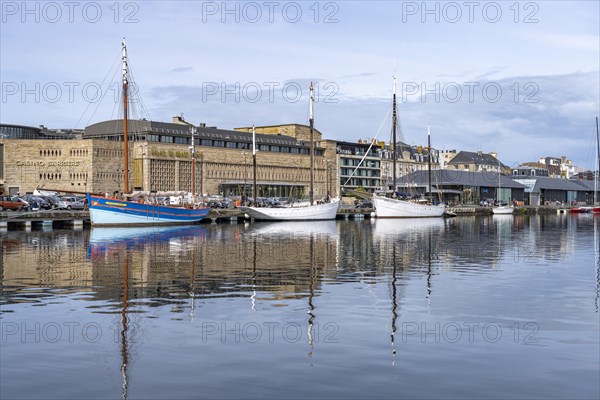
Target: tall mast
(311, 121)
(125, 134)
(429, 157)
(394, 135)
(499, 182)
(598, 161)
(193, 148)
(255, 193)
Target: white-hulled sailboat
(305, 212)
(386, 207)
(501, 210)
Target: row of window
(51, 177)
(51, 153)
(14, 132)
(356, 182)
(354, 162)
(229, 144)
(109, 153)
(360, 172)
(78, 152)
(80, 176)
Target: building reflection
(270, 261)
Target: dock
(78, 219)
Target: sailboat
(304, 212)
(386, 207)
(114, 211)
(501, 210)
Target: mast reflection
(124, 330)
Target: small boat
(502, 210)
(582, 210)
(308, 211)
(449, 214)
(112, 211)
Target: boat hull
(114, 212)
(393, 208)
(502, 210)
(581, 210)
(317, 212)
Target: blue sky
(518, 78)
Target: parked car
(53, 200)
(12, 203)
(41, 202)
(71, 203)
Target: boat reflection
(104, 240)
(392, 227)
(295, 228)
(597, 256)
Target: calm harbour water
(494, 307)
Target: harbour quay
(48, 219)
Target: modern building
(359, 164)
(461, 187)
(541, 190)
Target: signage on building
(343, 151)
(48, 164)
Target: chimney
(494, 154)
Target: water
(494, 307)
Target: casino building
(160, 159)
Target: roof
(537, 183)
(445, 177)
(469, 157)
(113, 127)
(587, 184)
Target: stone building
(61, 165)
(469, 161)
(160, 160)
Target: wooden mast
(311, 121)
(125, 134)
(255, 193)
(193, 149)
(598, 161)
(394, 129)
(429, 160)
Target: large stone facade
(62, 165)
(93, 165)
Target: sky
(518, 78)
